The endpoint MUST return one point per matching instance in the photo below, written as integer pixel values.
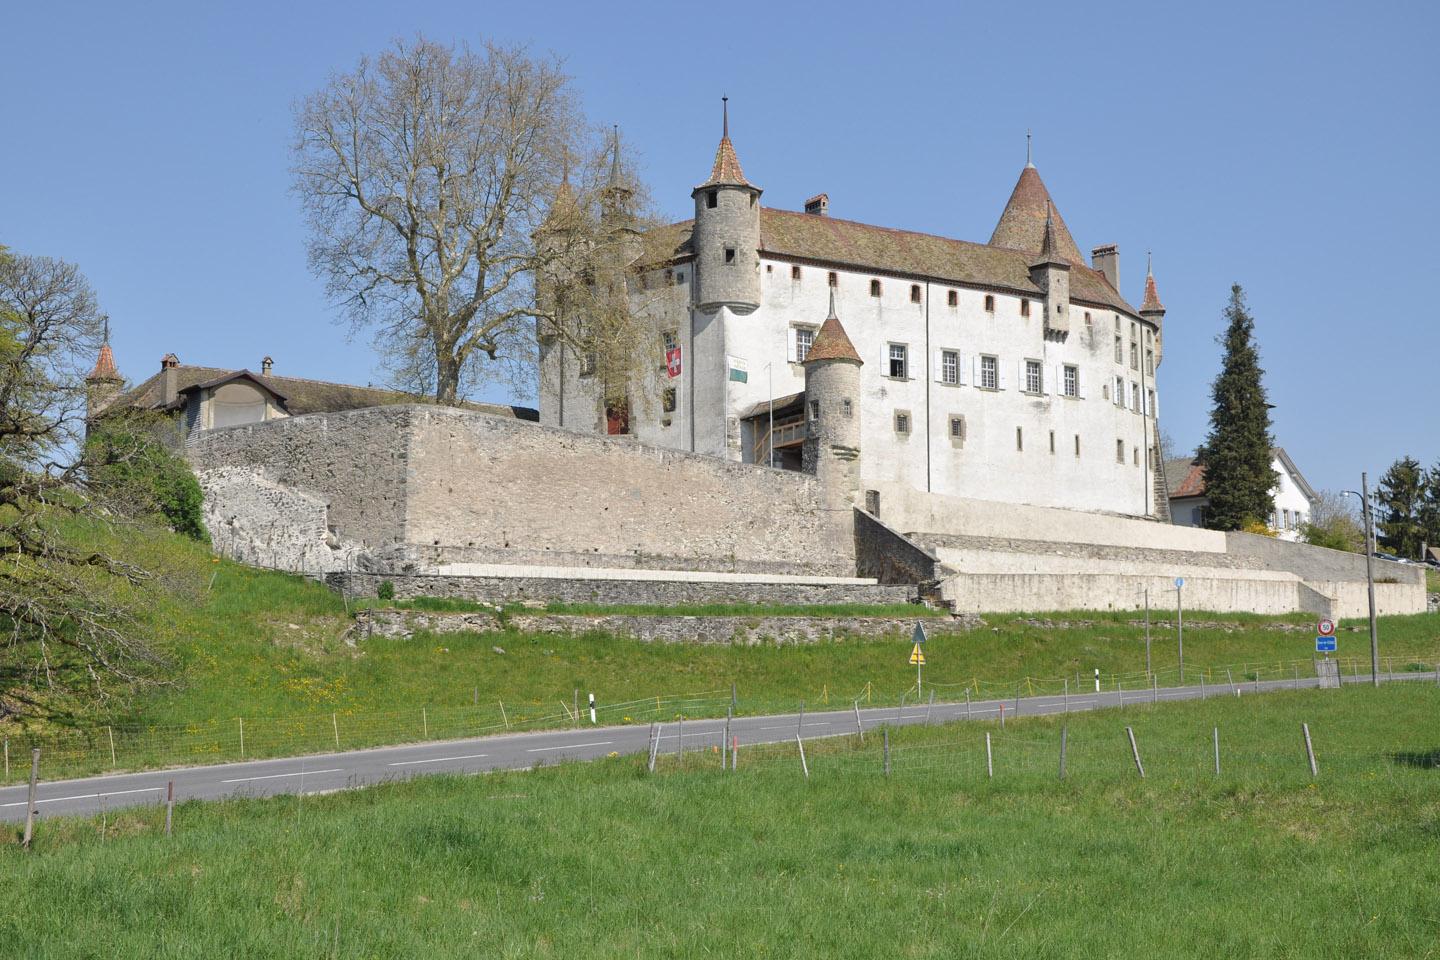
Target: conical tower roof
(1152, 302)
(832, 342)
(105, 369)
(726, 169)
(1022, 225)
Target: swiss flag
(672, 362)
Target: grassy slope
(599, 860)
(267, 647)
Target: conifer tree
(1239, 480)
(1399, 500)
(1430, 507)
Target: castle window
(1150, 363)
(1151, 408)
(1020, 439)
(587, 365)
(902, 422)
(1134, 397)
(729, 255)
(669, 277)
(1052, 441)
(1077, 444)
(832, 278)
(957, 431)
(989, 373)
(814, 410)
(1034, 377)
(712, 199)
(1072, 381)
(794, 273)
(914, 293)
(667, 400)
(847, 409)
(1119, 348)
(874, 288)
(1134, 355)
(989, 303)
(680, 277)
(1119, 451)
(769, 268)
(1136, 452)
(1087, 319)
(804, 340)
(1119, 395)
(1024, 307)
(669, 340)
(950, 366)
(899, 361)
(952, 299)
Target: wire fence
(131, 747)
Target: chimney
(818, 205)
(169, 378)
(266, 365)
(1106, 259)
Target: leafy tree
(67, 628)
(1399, 499)
(1333, 523)
(132, 468)
(1239, 478)
(429, 175)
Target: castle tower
(1022, 224)
(832, 412)
(559, 237)
(1051, 274)
(726, 235)
(103, 384)
(1153, 310)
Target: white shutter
(959, 368)
(939, 361)
(999, 374)
(1056, 386)
(975, 369)
(1079, 384)
(791, 344)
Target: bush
(131, 469)
(386, 590)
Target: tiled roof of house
(862, 246)
(832, 342)
(1152, 302)
(1185, 477)
(726, 169)
(1022, 224)
(301, 396)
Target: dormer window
(712, 199)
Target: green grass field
(269, 650)
(934, 861)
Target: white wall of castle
(1040, 466)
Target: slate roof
(301, 396)
(863, 246)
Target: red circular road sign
(1326, 627)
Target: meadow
(935, 860)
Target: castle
(969, 423)
(1010, 370)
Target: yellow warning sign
(917, 657)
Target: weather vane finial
(725, 116)
(1028, 161)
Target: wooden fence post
(989, 758)
(334, 723)
(110, 732)
(503, 715)
(1309, 750)
(725, 744)
(859, 728)
(886, 732)
(654, 744)
(30, 810)
(1067, 694)
(169, 805)
(1064, 738)
(1135, 752)
(967, 699)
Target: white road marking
(791, 726)
(275, 776)
(406, 763)
(572, 746)
(86, 796)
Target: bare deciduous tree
(66, 624)
(427, 174)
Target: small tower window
(1119, 451)
(847, 409)
(952, 299)
(1088, 322)
(832, 278)
(794, 273)
(989, 303)
(957, 430)
(1052, 441)
(680, 277)
(1077, 444)
(814, 410)
(712, 199)
(874, 288)
(914, 293)
(1020, 439)
(769, 268)
(902, 422)
(729, 255)
(667, 400)
(1024, 307)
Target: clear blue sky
(1291, 148)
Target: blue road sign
(1324, 644)
(1179, 582)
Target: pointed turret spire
(1022, 224)
(726, 169)
(1049, 245)
(615, 158)
(832, 342)
(105, 370)
(1151, 303)
(1028, 161)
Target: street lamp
(1364, 496)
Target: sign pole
(1180, 623)
(1370, 578)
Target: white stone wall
(258, 521)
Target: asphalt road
(328, 772)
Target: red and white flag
(672, 362)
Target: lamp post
(1366, 518)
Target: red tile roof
(1022, 224)
(105, 368)
(726, 170)
(1152, 302)
(832, 343)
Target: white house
(1010, 370)
(1295, 499)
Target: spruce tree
(1430, 507)
(1239, 480)
(1398, 501)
